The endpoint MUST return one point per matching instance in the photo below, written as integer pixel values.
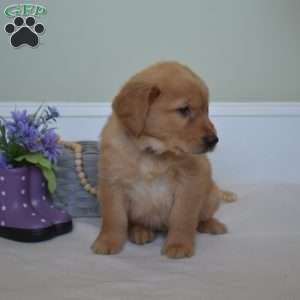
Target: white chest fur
(152, 194)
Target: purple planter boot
(38, 193)
(18, 219)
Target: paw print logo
(24, 31)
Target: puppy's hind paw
(212, 226)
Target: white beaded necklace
(77, 149)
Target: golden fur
(154, 174)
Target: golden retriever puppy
(154, 173)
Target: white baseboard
(103, 109)
(258, 141)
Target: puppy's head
(165, 109)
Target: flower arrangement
(30, 139)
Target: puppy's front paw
(140, 235)
(107, 245)
(178, 250)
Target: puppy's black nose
(211, 140)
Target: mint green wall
(246, 50)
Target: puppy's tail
(227, 197)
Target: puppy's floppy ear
(132, 104)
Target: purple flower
(19, 120)
(23, 131)
(32, 132)
(46, 117)
(53, 112)
(20, 116)
(3, 162)
(49, 144)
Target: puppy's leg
(114, 221)
(212, 226)
(182, 227)
(207, 223)
(140, 235)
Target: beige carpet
(258, 259)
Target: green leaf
(3, 141)
(37, 159)
(12, 151)
(51, 179)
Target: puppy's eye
(184, 111)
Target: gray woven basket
(69, 194)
